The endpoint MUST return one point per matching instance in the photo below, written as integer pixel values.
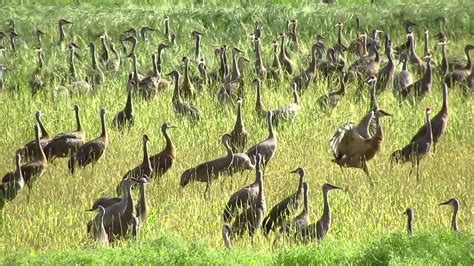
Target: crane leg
(365, 167)
(418, 170)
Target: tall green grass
(51, 226)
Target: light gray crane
(454, 220)
(100, 235)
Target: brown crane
(454, 220)
(208, 171)
(125, 117)
(28, 151)
(239, 134)
(243, 197)
(301, 222)
(10, 189)
(187, 88)
(287, 64)
(321, 228)
(65, 144)
(460, 75)
(268, 147)
(416, 149)
(32, 170)
(278, 215)
(410, 213)
(330, 100)
(422, 87)
(92, 151)
(164, 160)
(250, 220)
(142, 169)
(439, 122)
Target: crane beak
(444, 203)
(294, 171)
(90, 210)
(334, 187)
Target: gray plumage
(454, 219)
(268, 147)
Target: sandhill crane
(426, 49)
(413, 57)
(422, 87)
(267, 148)
(386, 74)
(181, 107)
(319, 230)
(275, 71)
(289, 111)
(105, 54)
(37, 82)
(164, 160)
(125, 117)
(32, 170)
(141, 207)
(417, 149)
(96, 73)
(444, 58)
(28, 151)
(259, 108)
(454, 220)
(251, 219)
(66, 144)
(233, 82)
(159, 53)
(142, 169)
(460, 75)
(187, 88)
(62, 35)
(119, 215)
(287, 64)
(402, 80)
(331, 99)
(166, 22)
(239, 133)
(243, 197)
(134, 75)
(197, 48)
(148, 86)
(100, 235)
(354, 146)
(260, 69)
(301, 222)
(278, 215)
(10, 189)
(210, 170)
(410, 215)
(144, 32)
(92, 151)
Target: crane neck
(305, 202)
(235, 67)
(18, 173)
(44, 132)
(41, 156)
(142, 209)
(94, 59)
(239, 123)
(429, 132)
(426, 43)
(405, 66)
(72, 64)
(258, 51)
(169, 143)
(327, 209)
(444, 109)
(156, 73)
(454, 219)
(146, 158)
(444, 60)
(276, 62)
(40, 59)
(78, 121)
(259, 104)
(271, 132)
(186, 70)
(282, 47)
(135, 69)
(167, 30)
(129, 104)
(103, 126)
(296, 98)
(373, 97)
(410, 225)
(197, 51)
(176, 95)
(469, 63)
(106, 49)
(62, 35)
(428, 76)
(339, 36)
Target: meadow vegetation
(182, 226)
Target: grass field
(183, 227)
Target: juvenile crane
(9, 190)
(243, 197)
(32, 170)
(410, 215)
(92, 151)
(100, 235)
(164, 160)
(65, 144)
(125, 117)
(417, 149)
(454, 220)
(319, 230)
(239, 134)
(267, 148)
(278, 215)
(28, 151)
(211, 170)
(181, 107)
